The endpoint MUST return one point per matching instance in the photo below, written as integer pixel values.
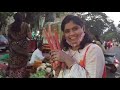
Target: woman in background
(18, 33)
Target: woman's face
(72, 33)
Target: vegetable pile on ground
(39, 74)
(43, 71)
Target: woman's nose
(71, 32)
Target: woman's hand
(57, 55)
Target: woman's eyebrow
(66, 29)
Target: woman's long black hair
(16, 25)
(78, 21)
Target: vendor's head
(40, 46)
(18, 17)
(74, 32)
(16, 25)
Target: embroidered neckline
(73, 53)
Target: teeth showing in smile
(73, 38)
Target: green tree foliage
(119, 25)
(35, 19)
(97, 22)
(108, 35)
(3, 17)
(111, 34)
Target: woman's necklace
(72, 53)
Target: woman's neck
(75, 48)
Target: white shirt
(94, 65)
(37, 55)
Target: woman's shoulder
(93, 46)
(36, 51)
(24, 24)
(24, 27)
(93, 49)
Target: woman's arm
(95, 62)
(29, 33)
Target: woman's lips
(73, 38)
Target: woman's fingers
(57, 55)
(54, 57)
(54, 53)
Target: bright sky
(115, 16)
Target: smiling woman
(72, 38)
(82, 58)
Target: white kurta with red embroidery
(94, 65)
